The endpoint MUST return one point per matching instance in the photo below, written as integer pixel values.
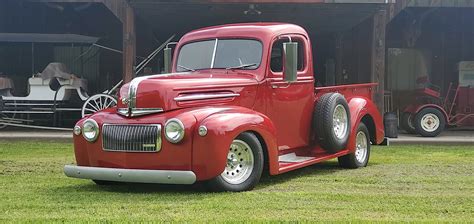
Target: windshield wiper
(242, 66)
(186, 68)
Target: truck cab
(238, 100)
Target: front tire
(244, 165)
(429, 122)
(360, 157)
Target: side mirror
(168, 59)
(290, 50)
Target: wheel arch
(210, 151)
(364, 110)
(370, 124)
(266, 162)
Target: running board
(291, 161)
(293, 158)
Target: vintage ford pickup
(239, 100)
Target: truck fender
(364, 109)
(210, 151)
(414, 109)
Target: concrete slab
(464, 137)
(36, 134)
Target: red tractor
(430, 114)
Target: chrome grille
(131, 138)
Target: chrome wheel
(97, 103)
(361, 147)
(340, 124)
(430, 122)
(240, 163)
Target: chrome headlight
(174, 130)
(90, 130)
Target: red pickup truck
(239, 101)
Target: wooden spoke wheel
(97, 103)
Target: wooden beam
(124, 12)
(129, 45)
(263, 1)
(378, 57)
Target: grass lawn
(401, 183)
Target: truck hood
(166, 92)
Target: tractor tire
(406, 123)
(332, 122)
(430, 122)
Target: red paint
(280, 114)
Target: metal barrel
(391, 124)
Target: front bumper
(131, 175)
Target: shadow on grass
(325, 168)
(319, 169)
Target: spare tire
(332, 121)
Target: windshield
(217, 53)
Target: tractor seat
(425, 87)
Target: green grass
(402, 183)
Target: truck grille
(131, 138)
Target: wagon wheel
(97, 103)
(7, 116)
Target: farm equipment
(56, 91)
(430, 114)
(52, 92)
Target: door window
(276, 61)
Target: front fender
(361, 107)
(210, 151)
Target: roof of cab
(258, 30)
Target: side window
(276, 61)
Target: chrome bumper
(131, 175)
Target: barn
(394, 43)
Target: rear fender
(360, 107)
(210, 151)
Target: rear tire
(430, 122)
(332, 120)
(244, 165)
(360, 156)
(406, 122)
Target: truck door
(291, 105)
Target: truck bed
(364, 89)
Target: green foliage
(401, 184)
